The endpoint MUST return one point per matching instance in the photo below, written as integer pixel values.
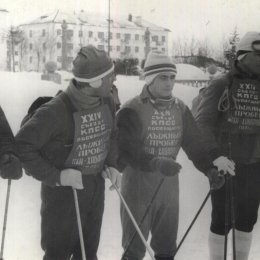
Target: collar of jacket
(159, 103)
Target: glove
(166, 166)
(114, 175)
(10, 167)
(216, 180)
(71, 177)
(224, 165)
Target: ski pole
(227, 204)
(233, 220)
(232, 201)
(5, 218)
(79, 224)
(192, 223)
(145, 214)
(133, 220)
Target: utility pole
(147, 42)
(108, 51)
(64, 59)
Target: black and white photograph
(129, 129)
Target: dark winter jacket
(10, 166)
(219, 136)
(45, 141)
(131, 139)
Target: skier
(66, 145)
(10, 166)
(152, 128)
(229, 118)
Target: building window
(127, 49)
(58, 45)
(44, 46)
(101, 47)
(101, 35)
(30, 33)
(69, 46)
(118, 35)
(163, 38)
(70, 59)
(69, 34)
(110, 48)
(154, 49)
(16, 63)
(163, 49)
(31, 59)
(111, 35)
(30, 46)
(59, 59)
(43, 32)
(90, 34)
(155, 38)
(16, 53)
(136, 49)
(44, 59)
(80, 33)
(117, 48)
(59, 32)
(127, 36)
(137, 37)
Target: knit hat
(157, 63)
(247, 43)
(91, 65)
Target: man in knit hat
(152, 128)
(66, 145)
(229, 118)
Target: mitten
(225, 165)
(166, 166)
(10, 167)
(216, 180)
(114, 175)
(71, 177)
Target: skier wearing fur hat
(66, 145)
(229, 118)
(152, 128)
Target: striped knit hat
(91, 65)
(157, 63)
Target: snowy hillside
(17, 91)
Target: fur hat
(91, 65)
(157, 63)
(246, 43)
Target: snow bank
(190, 72)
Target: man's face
(107, 83)
(162, 85)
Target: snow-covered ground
(17, 91)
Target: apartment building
(53, 36)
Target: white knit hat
(157, 63)
(246, 43)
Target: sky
(213, 20)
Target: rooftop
(83, 17)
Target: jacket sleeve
(193, 144)
(31, 138)
(7, 144)
(130, 143)
(208, 115)
(112, 156)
